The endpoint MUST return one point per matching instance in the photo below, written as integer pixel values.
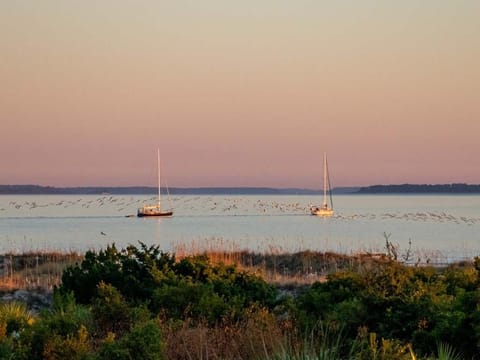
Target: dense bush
(59, 333)
(140, 303)
(192, 287)
(135, 272)
(110, 306)
(142, 342)
(417, 305)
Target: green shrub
(14, 317)
(134, 272)
(142, 342)
(111, 313)
(57, 332)
(192, 287)
(72, 347)
(417, 305)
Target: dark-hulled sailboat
(155, 210)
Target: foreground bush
(191, 288)
(140, 303)
(414, 305)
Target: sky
(239, 93)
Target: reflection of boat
(324, 210)
(154, 210)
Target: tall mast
(158, 165)
(324, 178)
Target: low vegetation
(30, 270)
(142, 303)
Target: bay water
(439, 228)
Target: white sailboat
(325, 209)
(154, 210)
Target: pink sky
(239, 93)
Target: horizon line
(235, 186)
(240, 190)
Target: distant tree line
(50, 190)
(146, 190)
(420, 188)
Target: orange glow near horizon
(239, 94)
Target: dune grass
(34, 270)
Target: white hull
(321, 211)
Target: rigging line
(329, 185)
(168, 194)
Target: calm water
(442, 228)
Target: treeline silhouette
(420, 189)
(146, 190)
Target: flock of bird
(440, 217)
(215, 205)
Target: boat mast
(158, 165)
(324, 179)
(329, 188)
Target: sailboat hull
(153, 210)
(321, 211)
(159, 214)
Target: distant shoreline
(421, 189)
(145, 190)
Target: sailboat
(154, 210)
(325, 209)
